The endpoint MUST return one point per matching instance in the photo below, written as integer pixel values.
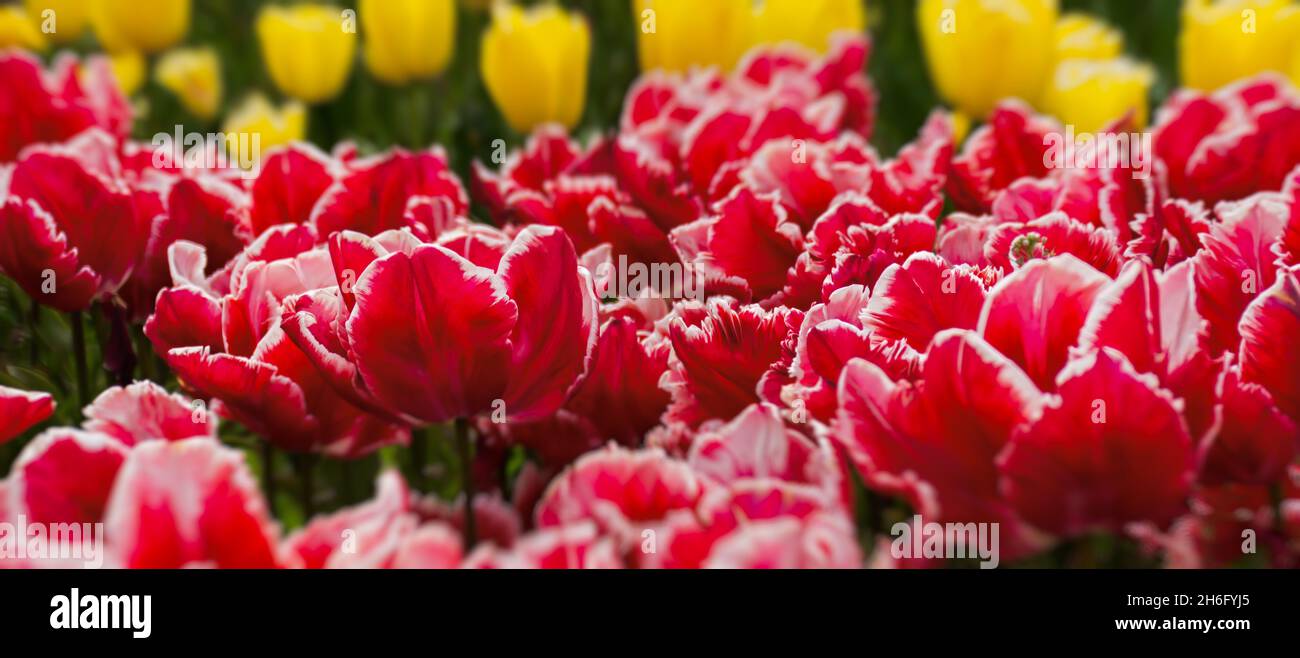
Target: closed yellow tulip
(309, 49)
(1079, 36)
(1225, 40)
(194, 76)
(65, 22)
(1091, 94)
(128, 69)
(675, 35)
(1092, 85)
(408, 39)
(534, 64)
(148, 26)
(807, 22)
(982, 51)
(273, 126)
(17, 30)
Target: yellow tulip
(675, 35)
(66, 21)
(1091, 94)
(18, 31)
(982, 51)
(1079, 36)
(309, 49)
(807, 22)
(274, 127)
(128, 69)
(149, 26)
(534, 64)
(408, 39)
(1226, 40)
(194, 76)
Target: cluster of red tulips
(963, 331)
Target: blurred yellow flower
(1092, 85)
(1226, 40)
(66, 22)
(309, 49)
(534, 63)
(194, 76)
(982, 51)
(17, 30)
(128, 69)
(149, 26)
(408, 39)
(1093, 93)
(675, 35)
(273, 127)
(1082, 36)
(807, 22)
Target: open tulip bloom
(430, 284)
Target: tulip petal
(431, 334)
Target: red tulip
(720, 352)
(383, 533)
(289, 183)
(222, 335)
(936, 441)
(1231, 143)
(47, 107)
(190, 503)
(372, 197)
(1110, 448)
(521, 335)
(20, 410)
(70, 226)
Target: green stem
(465, 450)
(79, 358)
(419, 457)
(34, 325)
(268, 475)
(306, 467)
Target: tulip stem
(419, 457)
(79, 358)
(305, 464)
(268, 474)
(34, 325)
(465, 449)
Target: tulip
(1079, 36)
(408, 39)
(194, 76)
(128, 69)
(534, 63)
(807, 22)
(20, 411)
(981, 52)
(150, 26)
(675, 35)
(274, 126)
(308, 50)
(1222, 41)
(68, 250)
(66, 23)
(18, 30)
(1091, 94)
(247, 365)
